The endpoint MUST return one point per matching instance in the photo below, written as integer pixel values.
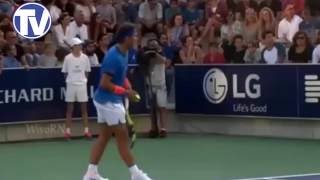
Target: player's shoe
(67, 136)
(163, 133)
(94, 177)
(140, 175)
(88, 135)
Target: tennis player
(110, 109)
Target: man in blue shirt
(109, 104)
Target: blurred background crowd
(189, 31)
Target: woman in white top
(316, 51)
(61, 30)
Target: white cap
(75, 41)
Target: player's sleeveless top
(115, 64)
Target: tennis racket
(130, 124)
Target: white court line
(277, 177)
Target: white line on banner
(311, 77)
(312, 83)
(312, 100)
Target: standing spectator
(275, 5)
(103, 43)
(31, 54)
(226, 29)
(238, 26)
(309, 25)
(173, 10)
(108, 14)
(61, 30)
(253, 54)
(215, 7)
(133, 52)
(301, 49)
(251, 27)
(267, 21)
(214, 55)
(10, 60)
(289, 25)
(237, 50)
(273, 53)
(66, 6)
(297, 4)
(190, 52)
(177, 31)
(191, 13)
(150, 15)
(48, 58)
(168, 53)
(89, 50)
(76, 67)
(87, 8)
(316, 51)
(12, 40)
(77, 28)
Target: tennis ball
(138, 98)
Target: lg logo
(215, 86)
(32, 20)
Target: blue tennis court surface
(292, 177)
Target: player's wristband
(127, 84)
(119, 90)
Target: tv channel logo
(32, 20)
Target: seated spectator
(32, 57)
(297, 4)
(173, 10)
(236, 51)
(61, 30)
(89, 49)
(12, 40)
(273, 53)
(251, 27)
(108, 14)
(102, 46)
(131, 10)
(214, 55)
(10, 60)
(5, 23)
(120, 12)
(87, 8)
(65, 6)
(301, 49)
(253, 54)
(77, 28)
(316, 51)
(243, 5)
(167, 49)
(211, 31)
(150, 17)
(267, 21)
(1, 61)
(191, 13)
(309, 25)
(177, 31)
(55, 12)
(2, 39)
(274, 5)
(190, 52)
(6, 7)
(289, 25)
(97, 26)
(48, 58)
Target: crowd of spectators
(190, 31)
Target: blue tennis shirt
(115, 64)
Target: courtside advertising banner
(39, 94)
(287, 91)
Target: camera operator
(153, 65)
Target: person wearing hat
(76, 67)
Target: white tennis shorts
(111, 113)
(76, 93)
